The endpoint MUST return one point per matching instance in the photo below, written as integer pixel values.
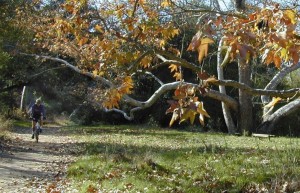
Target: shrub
(5, 124)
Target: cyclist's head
(38, 101)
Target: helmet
(38, 101)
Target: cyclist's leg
(41, 123)
(33, 127)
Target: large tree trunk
(245, 119)
(268, 125)
(226, 110)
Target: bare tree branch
(258, 92)
(75, 68)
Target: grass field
(144, 159)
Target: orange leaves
(202, 52)
(170, 32)
(186, 106)
(114, 95)
(173, 67)
(113, 98)
(99, 28)
(165, 3)
(290, 16)
(294, 53)
(281, 54)
(177, 73)
(126, 86)
(200, 44)
(271, 57)
(146, 61)
(83, 41)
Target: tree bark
(269, 124)
(22, 97)
(245, 119)
(273, 84)
(226, 111)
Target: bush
(5, 124)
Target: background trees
(174, 46)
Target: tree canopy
(112, 41)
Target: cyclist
(37, 114)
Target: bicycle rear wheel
(36, 134)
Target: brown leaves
(290, 16)
(177, 74)
(83, 41)
(187, 106)
(114, 95)
(200, 44)
(166, 3)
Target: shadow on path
(27, 166)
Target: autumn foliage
(116, 40)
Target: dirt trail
(27, 166)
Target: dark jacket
(37, 111)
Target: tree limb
(258, 92)
(221, 62)
(278, 78)
(75, 68)
(138, 105)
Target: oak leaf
(173, 68)
(201, 110)
(203, 75)
(291, 15)
(179, 93)
(177, 75)
(165, 3)
(201, 119)
(99, 28)
(95, 72)
(196, 40)
(202, 52)
(175, 116)
(173, 105)
(188, 114)
(69, 8)
(83, 41)
(277, 61)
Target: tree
(112, 41)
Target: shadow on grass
(74, 147)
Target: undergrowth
(6, 124)
(133, 159)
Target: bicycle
(37, 131)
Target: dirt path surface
(27, 166)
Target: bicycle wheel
(37, 133)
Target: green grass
(19, 123)
(134, 159)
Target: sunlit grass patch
(20, 123)
(133, 159)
